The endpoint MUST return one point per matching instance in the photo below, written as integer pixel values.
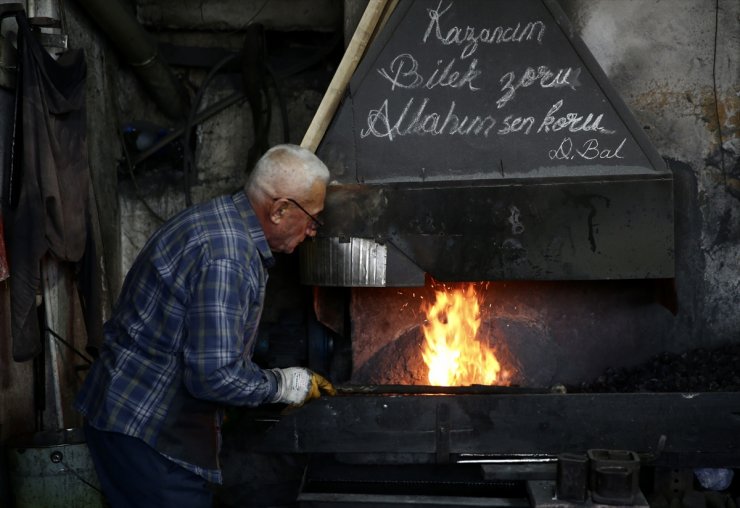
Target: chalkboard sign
(480, 140)
(485, 89)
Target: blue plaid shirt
(187, 315)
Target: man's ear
(277, 210)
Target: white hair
(286, 171)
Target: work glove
(296, 385)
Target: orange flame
(453, 354)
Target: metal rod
(424, 389)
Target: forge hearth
(543, 333)
(572, 253)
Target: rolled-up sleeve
(221, 324)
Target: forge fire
(452, 351)
(442, 334)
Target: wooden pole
(347, 66)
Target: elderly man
(178, 346)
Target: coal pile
(697, 370)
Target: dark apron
(50, 190)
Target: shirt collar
(255, 228)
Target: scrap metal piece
(354, 262)
(614, 476)
(572, 476)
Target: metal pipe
(43, 12)
(141, 52)
(179, 131)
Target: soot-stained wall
(677, 67)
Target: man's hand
(296, 385)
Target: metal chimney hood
(480, 140)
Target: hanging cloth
(7, 106)
(4, 272)
(48, 214)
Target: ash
(697, 370)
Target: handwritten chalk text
(573, 122)
(546, 78)
(419, 117)
(403, 72)
(469, 37)
(589, 150)
(416, 120)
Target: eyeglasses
(316, 223)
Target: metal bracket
(53, 40)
